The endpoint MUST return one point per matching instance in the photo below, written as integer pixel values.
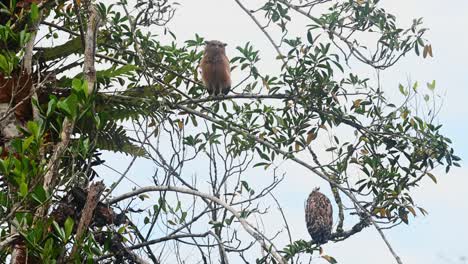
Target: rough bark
(94, 192)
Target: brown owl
(216, 72)
(319, 217)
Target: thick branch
(90, 75)
(94, 192)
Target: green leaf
(59, 231)
(415, 86)
(24, 37)
(69, 106)
(23, 189)
(39, 194)
(34, 12)
(68, 227)
(402, 90)
(34, 129)
(27, 142)
(182, 218)
(431, 85)
(309, 37)
(51, 106)
(125, 70)
(143, 196)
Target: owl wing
(226, 76)
(206, 73)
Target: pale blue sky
(442, 236)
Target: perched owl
(215, 69)
(319, 217)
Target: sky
(442, 236)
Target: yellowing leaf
(411, 209)
(297, 146)
(280, 57)
(382, 212)
(425, 51)
(429, 50)
(330, 259)
(404, 114)
(262, 136)
(431, 85)
(265, 83)
(310, 136)
(180, 124)
(433, 178)
(357, 103)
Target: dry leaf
(297, 146)
(357, 103)
(330, 259)
(433, 178)
(310, 136)
(411, 209)
(180, 124)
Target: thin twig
(234, 128)
(8, 240)
(280, 55)
(246, 225)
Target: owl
(216, 73)
(319, 217)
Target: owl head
(213, 46)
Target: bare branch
(8, 240)
(266, 245)
(92, 200)
(233, 127)
(280, 55)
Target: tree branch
(280, 55)
(234, 128)
(94, 192)
(266, 245)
